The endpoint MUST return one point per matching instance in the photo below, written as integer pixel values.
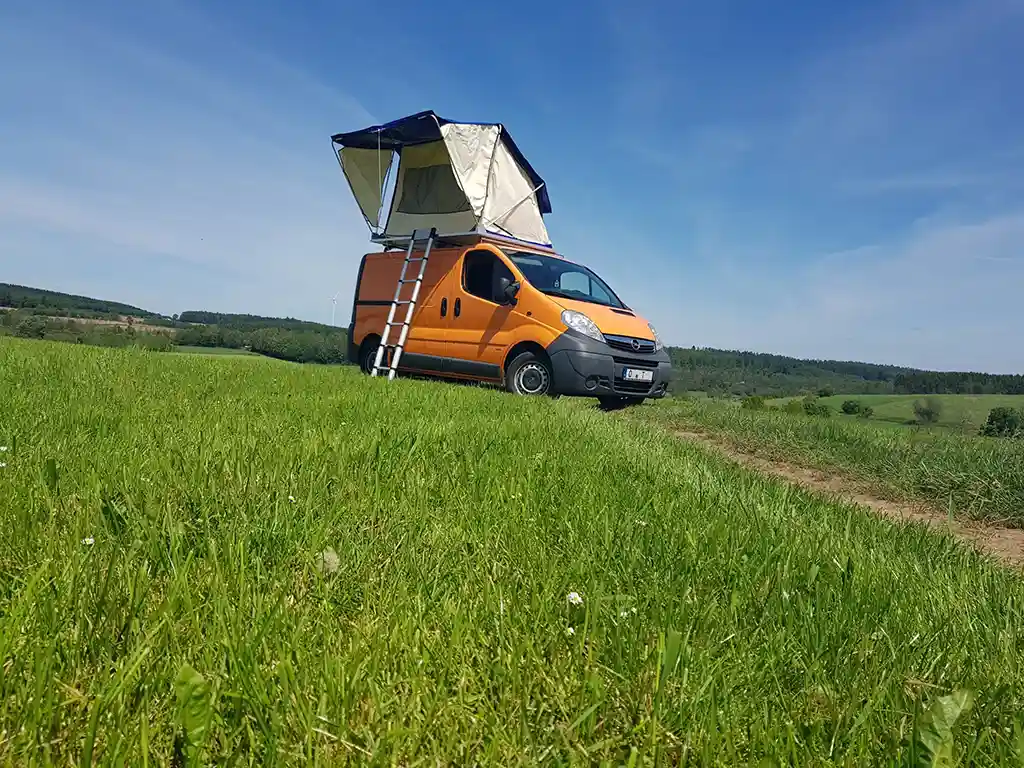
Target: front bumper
(582, 366)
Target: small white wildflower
(291, 498)
(574, 598)
(3, 448)
(624, 615)
(2, 465)
(641, 523)
(570, 631)
(88, 541)
(329, 561)
(785, 595)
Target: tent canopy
(457, 177)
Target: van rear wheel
(529, 374)
(368, 354)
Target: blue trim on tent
(424, 127)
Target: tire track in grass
(1004, 544)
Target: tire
(368, 353)
(611, 403)
(529, 374)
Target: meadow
(210, 561)
(963, 412)
(965, 475)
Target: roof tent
(462, 178)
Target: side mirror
(507, 291)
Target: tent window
(480, 273)
(431, 190)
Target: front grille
(635, 362)
(633, 387)
(630, 344)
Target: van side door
(480, 330)
(425, 344)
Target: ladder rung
(415, 279)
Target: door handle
(458, 306)
(444, 306)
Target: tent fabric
(511, 207)
(471, 148)
(366, 171)
(428, 193)
(457, 177)
(424, 127)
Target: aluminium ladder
(392, 366)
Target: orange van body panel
(484, 332)
(377, 284)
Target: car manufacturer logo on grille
(635, 344)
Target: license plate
(637, 374)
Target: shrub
(928, 410)
(852, 407)
(1004, 422)
(812, 407)
(826, 391)
(794, 406)
(753, 403)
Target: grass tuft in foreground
(220, 560)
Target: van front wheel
(529, 374)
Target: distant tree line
(717, 372)
(300, 346)
(251, 322)
(741, 374)
(29, 325)
(723, 372)
(23, 297)
(943, 383)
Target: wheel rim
(371, 355)
(532, 379)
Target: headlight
(581, 324)
(657, 339)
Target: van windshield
(559, 277)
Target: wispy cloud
(155, 160)
(869, 205)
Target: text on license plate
(636, 374)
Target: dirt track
(1004, 544)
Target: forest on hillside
(65, 304)
(37, 313)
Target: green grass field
(963, 412)
(215, 562)
(974, 477)
(185, 349)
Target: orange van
(521, 317)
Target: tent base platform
(463, 239)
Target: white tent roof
(457, 177)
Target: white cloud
(222, 185)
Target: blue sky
(841, 180)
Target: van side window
(480, 273)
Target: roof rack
(459, 239)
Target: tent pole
(506, 213)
